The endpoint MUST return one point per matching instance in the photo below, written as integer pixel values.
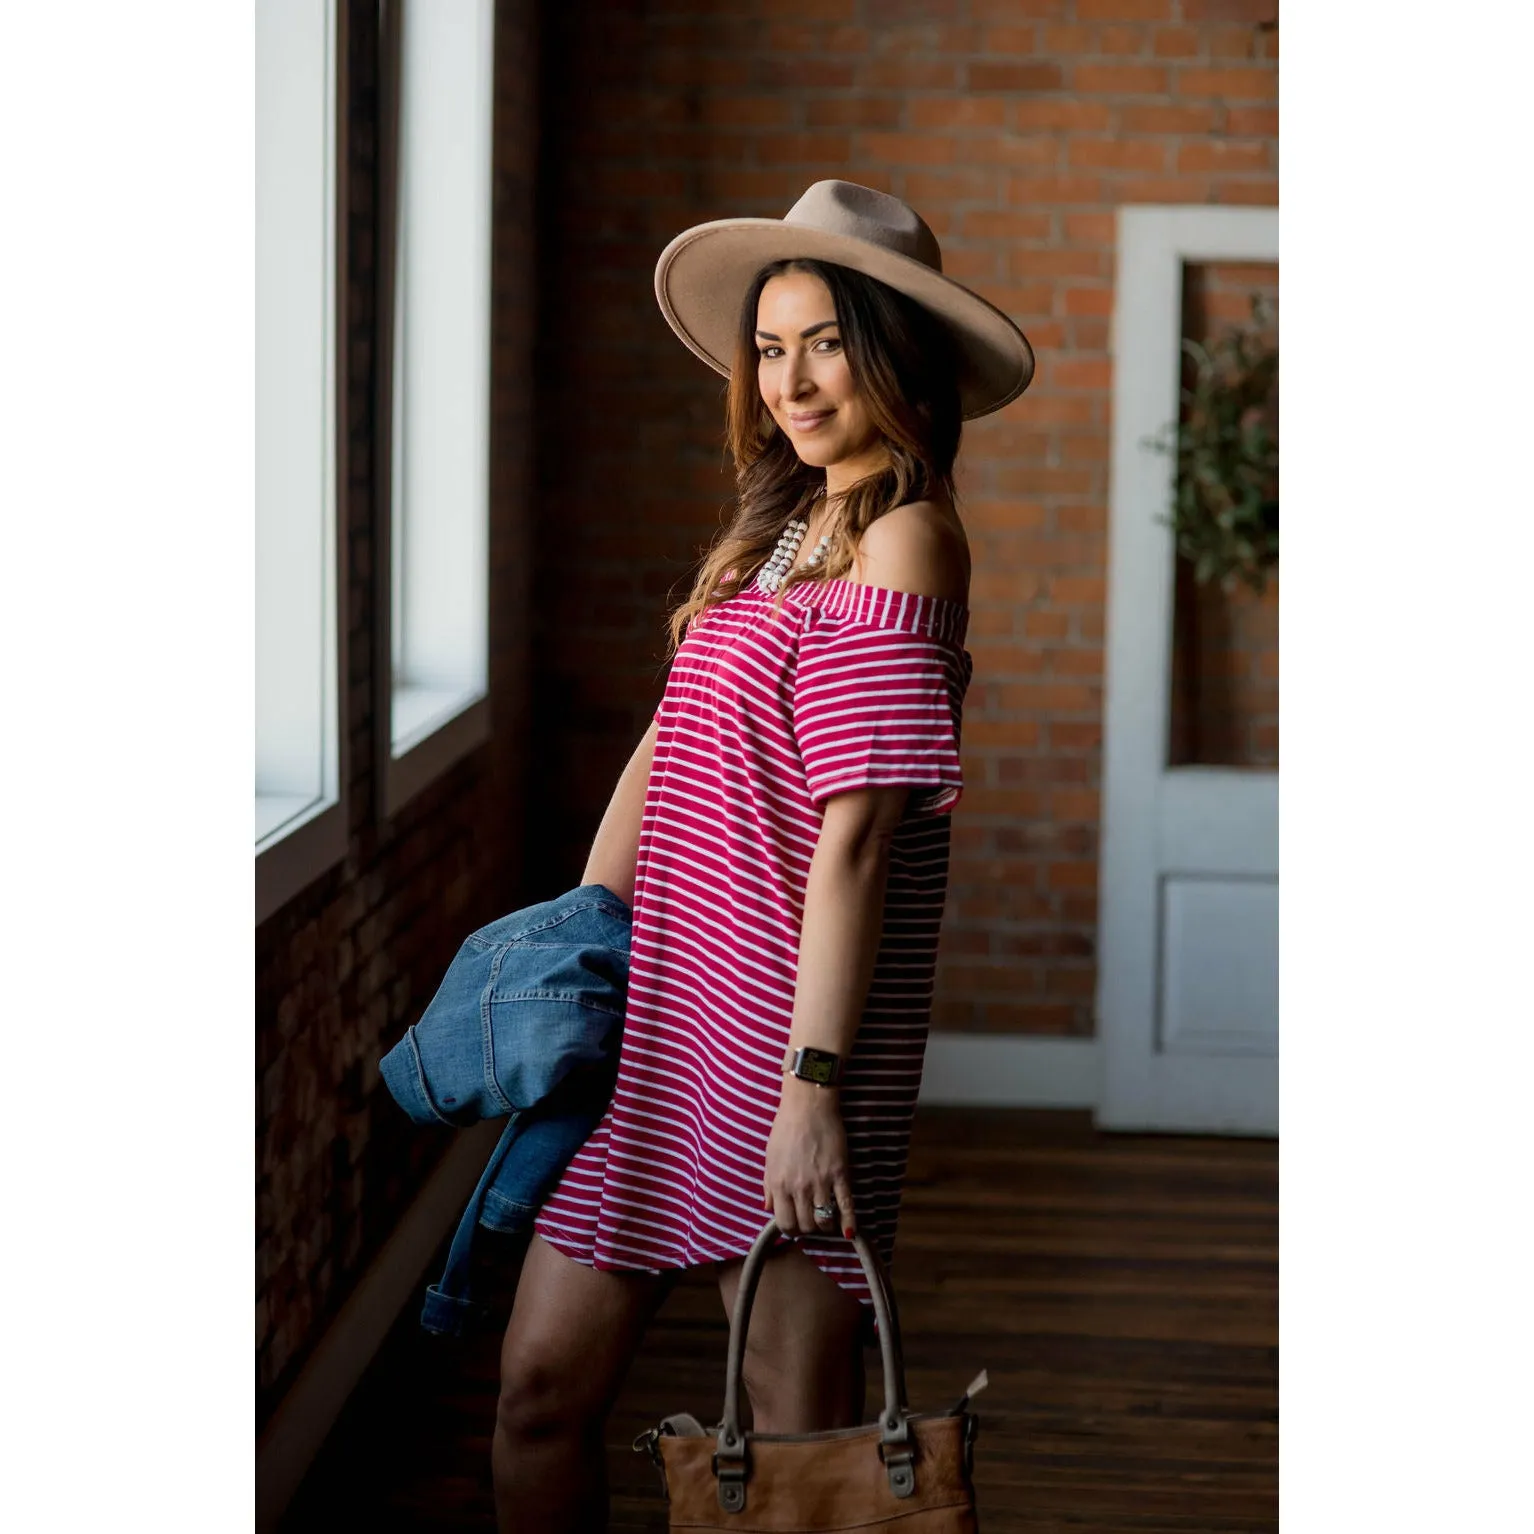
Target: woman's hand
(807, 1161)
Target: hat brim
(703, 275)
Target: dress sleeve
(876, 705)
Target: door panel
(1219, 967)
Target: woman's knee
(544, 1394)
(572, 1335)
(802, 1366)
(804, 1390)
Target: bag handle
(895, 1445)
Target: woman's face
(806, 384)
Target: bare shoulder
(919, 547)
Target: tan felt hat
(703, 275)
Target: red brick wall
(344, 968)
(1015, 127)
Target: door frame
(1153, 245)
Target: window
(434, 688)
(300, 819)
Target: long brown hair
(904, 365)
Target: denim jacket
(527, 1024)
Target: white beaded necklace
(777, 569)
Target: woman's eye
(766, 352)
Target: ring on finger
(825, 1214)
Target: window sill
(298, 847)
(279, 815)
(441, 728)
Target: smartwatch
(817, 1065)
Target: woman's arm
(916, 548)
(838, 946)
(614, 857)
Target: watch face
(817, 1065)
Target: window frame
(466, 722)
(309, 843)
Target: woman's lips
(810, 422)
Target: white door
(1187, 998)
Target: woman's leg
(803, 1368)
(572, 1335)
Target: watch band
(817, 1065)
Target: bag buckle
(899, 1460)
(649, 1442)
(731, 1475)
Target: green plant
(1225, 490)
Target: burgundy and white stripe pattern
(765, 717)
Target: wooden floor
(1121, 1290)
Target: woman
(782, 837)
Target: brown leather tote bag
(909, 1470)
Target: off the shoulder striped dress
(762, 720)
